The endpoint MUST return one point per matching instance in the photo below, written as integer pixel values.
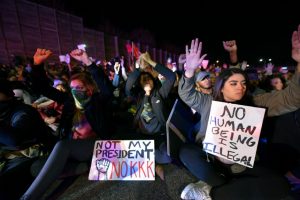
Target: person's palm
(193, 59)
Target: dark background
(261, 29)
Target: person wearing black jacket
(23, 138)
(85, 118)
(152, 112)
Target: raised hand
(244, 65)
(81, 56)
(117, 67)
(147, 58)
(122, 61)
(193, 57)
(269, 69)
(296, 45)
(230, 45)
(41, 55)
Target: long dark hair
(223, 77)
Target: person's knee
(185, 152)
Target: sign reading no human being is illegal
(233, 132)
(123, 160)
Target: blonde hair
(90, 84)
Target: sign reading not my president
(233, 132)
(123, 160)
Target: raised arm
(166, 72)
(193, 58)
(231, 47)
(296, 48)
(186, 89)
(97, 73)
(287, 100)
(131, 80)
(41, 81)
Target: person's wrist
(189, 73)
(152, 63)
(37, 62)
(87, 62)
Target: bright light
(270, 60)
(260, 60)
(248, 65)
(217, 61)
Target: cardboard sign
(179, 127)
(123, 160)
(233, 132)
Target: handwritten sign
(233, 132)
(123, 160)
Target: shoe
(196, 191)
(159, 170)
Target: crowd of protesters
(55, 112)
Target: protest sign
(123, 160)
(233, 132)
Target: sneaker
(196, 191)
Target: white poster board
(123, 160)
(233, 132)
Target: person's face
(146, 81)
(78, 85)
(205, 83)
(234, 88)
(277, 83)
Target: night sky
(261, 30)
